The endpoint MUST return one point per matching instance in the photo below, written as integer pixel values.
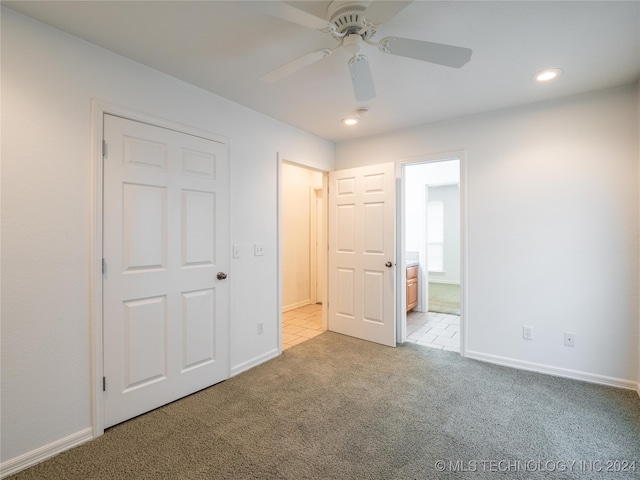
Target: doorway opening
(432, 212)
(303, 259)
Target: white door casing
(362, 253)
(320, 253)
(165, 312)
(424, 283)
(316, 257)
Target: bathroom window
(435, 236)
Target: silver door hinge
(104, 148)
(104, 384)
(104, 265)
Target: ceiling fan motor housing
(348, 18)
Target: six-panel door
(362, 253)
(165, 312)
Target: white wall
(552, 228)
(297, 183)
(48, 81)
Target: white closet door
(165, 311)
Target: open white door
(165, 300)
(362, 253)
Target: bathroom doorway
(432, 212)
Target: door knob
(221, 275)
(388, 264)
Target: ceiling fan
(354, 23)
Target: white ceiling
(225, 46)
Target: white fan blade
(295, 65)
(363, 87)
(383, 11)
(290, 14)
(439, 53)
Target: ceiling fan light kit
(354, 23)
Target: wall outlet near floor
(258, 249)
(527, 332)
(569, 339)
(260, 328)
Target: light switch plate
(236, 251)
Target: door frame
(98, 110)
(315, 238)
(401, 314)
(322, 276)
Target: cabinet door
(412, 272)
(412, 287)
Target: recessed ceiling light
(548, 74)
(355, 117)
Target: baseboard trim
(41, 454)
(254, 362)
(555, 371)
(293, 306)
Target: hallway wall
(297, 183)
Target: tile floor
(435, 330)
(301, 324)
